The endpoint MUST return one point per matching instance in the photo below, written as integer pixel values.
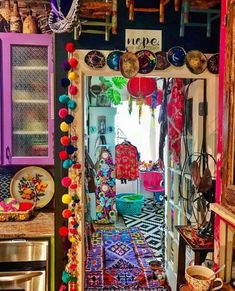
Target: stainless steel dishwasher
(24, 265)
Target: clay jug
(30, 23)
(6, 11)
(15, 21)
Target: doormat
(151, 222)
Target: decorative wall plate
(213, 64)
(95, 59)
(129, 65)
(161, 61)
(33, 184)
(176, 56)
(196, 61)
(113, 60)
(147, 61)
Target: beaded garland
(69, 231)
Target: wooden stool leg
(177, 5)
(181, 262)
(107, 27)
(131, 10)
(161, 11)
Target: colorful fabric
(105, 189)
(119, 260)
(126, 157)
(190, 233)
(175, 118)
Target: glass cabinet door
(28, 93)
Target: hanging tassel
(130, 103)
(140, 112)
(153, 117)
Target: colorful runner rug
(119, 260)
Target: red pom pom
(66, 181)
(73, 62)
(64, 140)
(70, 47)
(77, 166)
(73, 267)
(63, 112)
(73, 231)
(63, 231)
(73, 222)
(74, 137)
(63, 155)
(73, 90)
(66, 213)
(73, 186)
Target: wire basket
(127, 206)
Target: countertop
(40, 225)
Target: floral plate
(33, 184)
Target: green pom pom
(66, 277)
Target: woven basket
(16, 215)
(133, 207)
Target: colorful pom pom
(66, 199)
(73, 62)
(64, 126)
(77, 166)
(67, 164)
(65, 82)
(63, 112)
(64, 99)
(63, 155)
(63, 231)
(66, 66)
(66, 213)
(72, 104)
(69, 118)
(69, 47)
(72, 239)
(74, 138)
(70, 149)
(73, 90)
(72, 76)
(73, 186)
(66, 277)
(66, 181)
(65, 140)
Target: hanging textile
(126, 156)
(175, 118)
(162, 119)
(105, 189)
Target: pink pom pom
(73, 90)
(66, 181)
(63, 112)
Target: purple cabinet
(26, 99)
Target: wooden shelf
(25, 132)
(223, 212)
(31, 101)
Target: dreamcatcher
(203, 190)
(59, 23)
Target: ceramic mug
(201, 278)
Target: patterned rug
(152, 223)
(119, 260)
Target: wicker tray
(16, 215)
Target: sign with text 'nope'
(139, 39)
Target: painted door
(27, 73)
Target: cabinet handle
(52, 95)
(8, 153)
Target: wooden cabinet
(180, 191)
(26, 99)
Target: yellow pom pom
(66, 198)
(72, 76)
(64, 126)
(72, 239)
(73, 176)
